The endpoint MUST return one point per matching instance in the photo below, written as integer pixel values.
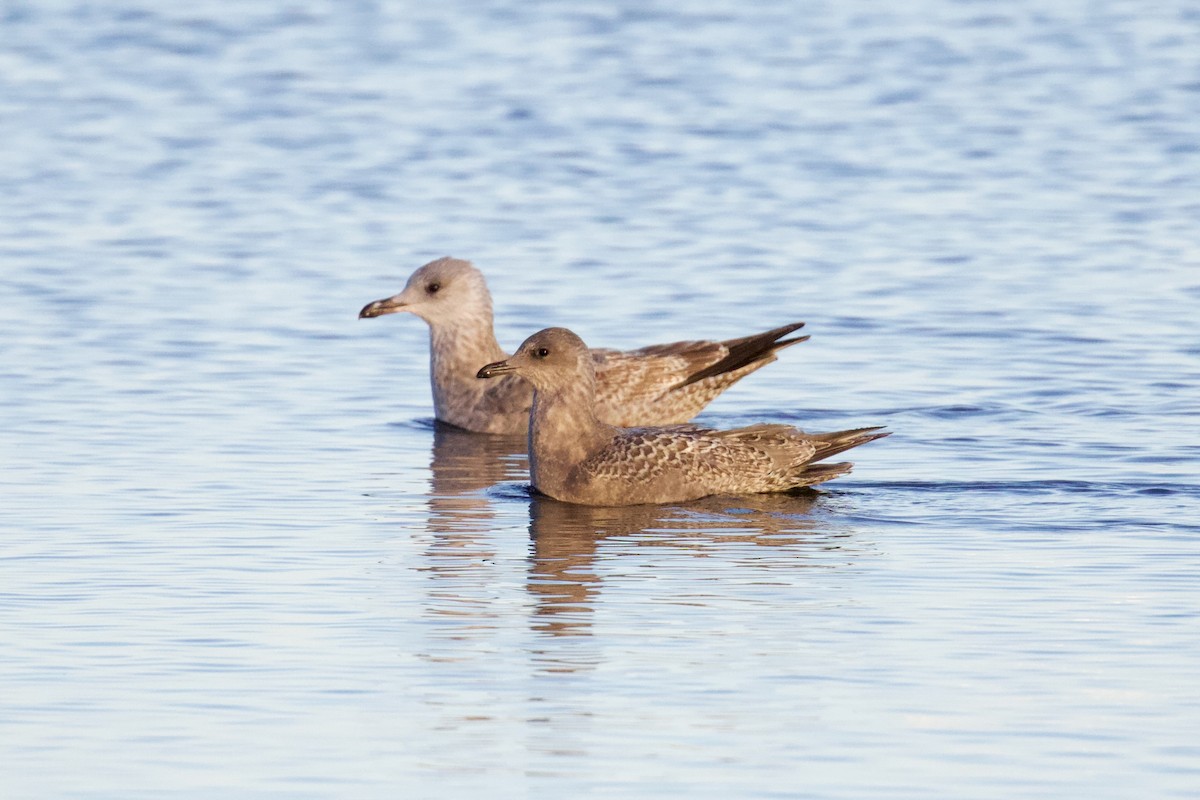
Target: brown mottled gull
(575, 457)
(657, 385)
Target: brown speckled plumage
(577, 458)
(658, 385)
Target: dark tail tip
(747, 350)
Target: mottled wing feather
(635, 387)
(653, 370)
(667, 383)
(787, 448)
(685, 454)
(694, 460)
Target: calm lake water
(238, 559)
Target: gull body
(576, 457)
(656, 385)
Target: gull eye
(433, 287)
(542, 352)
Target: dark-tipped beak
(378, 308)
(494, 369)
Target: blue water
(238, 559)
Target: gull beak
(494, 369)
(378, 308)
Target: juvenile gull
(575, 457)
(657, 385)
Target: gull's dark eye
(542, 352)
(433, 287)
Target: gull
(657, 385)
(576, 457)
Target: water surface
(239, 558)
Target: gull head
(551, 358)
(448, 290)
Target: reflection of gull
(758, 515)
(563, 576)
(657, 385)
(461, 517)
(565, 573)
(463, 465)
(573, 456)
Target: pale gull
(657, 385)
(577, 458)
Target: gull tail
(830, 444)
(812, 474)
(758, 349)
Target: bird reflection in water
(563, 572)
(467, 514)
(463, 520)
(463, 467)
